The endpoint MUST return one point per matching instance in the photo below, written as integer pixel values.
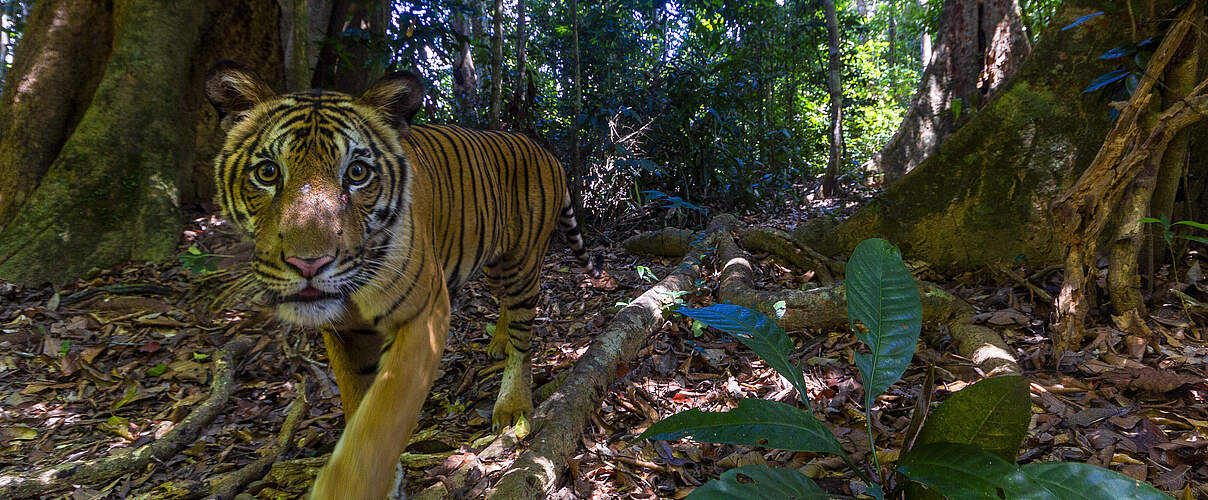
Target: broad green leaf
(1199, 239)
(957, 471)
(1197, 225)
(757, 332)
(883, 296)
(992, 414)
(759, 481)
(1073, 480)
(755, 422)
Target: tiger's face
(319, 180)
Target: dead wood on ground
(38, 483)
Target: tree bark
(369, 18)
(465, 76)
(496, 66)
(521, 71)
(303, 26)
(55, 71)
(834, 68)
(990, 183)
(979, 46)
(137, 136)
(577, 169)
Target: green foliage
(886, 313)
(958, 471)
(754, 422)
(194, 261)
(759, 481)
(992, 415)
(757, 332)
(965, 450)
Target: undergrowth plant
(966, 448)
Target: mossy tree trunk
(119, 126)
(983, 197)
(55, 72)
(979, 47)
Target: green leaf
(1151, 220)
(755, 422)
(1197, 225)
(1200, 239)
(757, 332)
(992, 414)
(200, 356)
(882, 295)
(1062, 480)
(957, 471)
(759, 481)
(194, 251)
(157, 370)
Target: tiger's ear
(397, 96)
(234, 89)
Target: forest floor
(91, 369)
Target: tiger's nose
(310, 267)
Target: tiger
(366, 225)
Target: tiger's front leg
(364, 462)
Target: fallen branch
(559, 421)
(227, 485)
(38, 483)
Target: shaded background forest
(715, 103)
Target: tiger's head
(318, 179)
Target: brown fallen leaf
(1148, 379)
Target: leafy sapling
(966, 448)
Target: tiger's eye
(267, 173)
(357, 173)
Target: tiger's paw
(515, 417)
(498, 347)
(515, 400)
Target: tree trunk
(126, 133)
(465, 77)
(577, 169)
(67, 42)
(979, 46)
(303, 26)
(333, 71)
(834, 68)
(496, 66)
(522, 83)
(989, 185)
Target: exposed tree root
(227, 485)
(1129, 152)
(559, 420)
(38, 483)
(666, 242)
(795, 253)
(826, 307)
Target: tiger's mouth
(308, 294)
